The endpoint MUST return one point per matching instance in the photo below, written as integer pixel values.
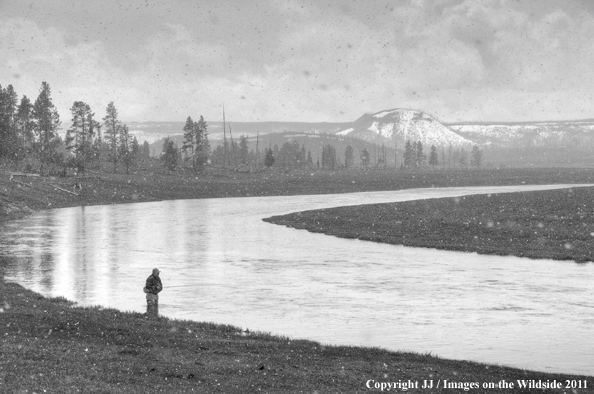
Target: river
(220, 262)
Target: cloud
(75, 72)
(177, 53)
(499, 62)
(321, 61)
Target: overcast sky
(326, 60)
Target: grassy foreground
(553, 224)
(49, 345)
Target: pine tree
(409, 155)
(47, 123)
(125, 149)
(365, 159)
(269, 158)
(287, 156)
(9, 141)
(79, 137)
(189, 143)
(383, 157)
(4, 128)
(329, 157)
(309, 159)
(112, 132)
(8, 131)
(463, 159)
(202, 142)
(295, 156)
(302, 158)
(97, 140)
(146, 150)
(10, 103)
(420, 156)
(170, 155)
(433, 157)
(243, 150)
(25, 125)
(349, 157)
(135, 149)
(476, 157)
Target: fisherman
(152, 288)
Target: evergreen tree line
(237, 155)
(414, 157)
(28, 130)
(291, 156)
(29, 134)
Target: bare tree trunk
(224, 139)
(233, 148)
(257, 150)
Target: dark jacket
(153, 285)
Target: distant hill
(399, 125)
(154, 131)
(575, 133)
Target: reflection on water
(220, 262)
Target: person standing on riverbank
(152, 289)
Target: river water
(220, 262)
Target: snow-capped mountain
(551, 133)
(399, 125)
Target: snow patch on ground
(345, 132)
(383, 129)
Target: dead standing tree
(233, 149)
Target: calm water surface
(220, 262)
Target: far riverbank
(21, 195)
(552, 224)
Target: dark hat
(156, 271)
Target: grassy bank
(49, 345)
(555, 224)
(34, 193)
